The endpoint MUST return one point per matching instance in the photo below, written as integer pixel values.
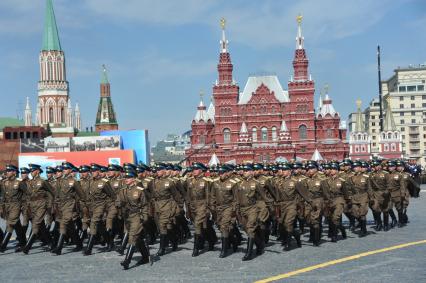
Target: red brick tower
(106, 119)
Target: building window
(373, 130)
(393, 147)
(202, 139)
(402, 129)
(254, 110)
(401, 113)
(413, 121)
(62, 115)
(401, 98)
(374, 144)
(413, 113)
(373, 123)
(412, 97)
(226, 135)
(373, 117)
(273, 109)
(264, 134)
(386, 147)
(374, 137)
(420, 88)
(51, 115)
(357, 148)
(411, 88)
(413, 105)
(274, 132)
(402, 121)
(424, 105)
(302, 132)
(402, 89)
(403, 136)
(401, 106)
(329, 133)
(254, 134)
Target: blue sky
(160, 54)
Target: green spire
(104, 79)
(50, 35)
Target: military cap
(84, 169)
(334, 166)
(140, 169)
(59, 168)
(113, 167)
(199, 166)
(24, 170)
(257, 166)
(67, 165)
(356, 164)
(297, 165)
(176, 167)
(188, 169)
(103, 169)
(10, 167)
(50, 170)
(327, 166)
(222, 169)
(365, 164)
(95, 167)
(247, 167)
(400, 163)
(285, 167)
(311, 165)
(130, 174)
(127, 166)
(34, 167)
(160, 166)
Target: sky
(161, 54)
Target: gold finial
(326, 88)
(104, 67)
(299, 19)
(358, 103)
(201, 94)
(222, 23)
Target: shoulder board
(365, 175)
(207, 179)
(216, 179)
(233, 181)
(341, 179)
(139, 188)
(18, 179)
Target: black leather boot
(1, 235)
(363, 231)
(58, 249)
(296, 235)
(223, 251)
(5, 241)
(172, 235)
(287, 244)
(144, 250)
(76, 240)
(385, 221)
(333, 229)
(195, 250)
(126, 262)
(284, 237)
(342, 230)
(249, 250)
(400, 219)
(29, 244)
(394, 220)
(311, 234)
(123, 245)
(89, 247)
(260, 242)
(110, 240)
(163, 242)
(317, 238)
(20, 236)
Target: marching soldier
(223, 204)
(67, 194)
(334, 192)
(11, 195)
(112, 211)
(380, 201)
(25, 210)
(134, 205)
(397, 189)
(361, 189)
(166, 197)
(85, 181)
(99, 198)
(39, 196)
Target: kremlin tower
(105, 118)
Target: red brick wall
(9, 151)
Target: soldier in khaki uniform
(68, 193)
(247, 195)
(287, 191)
(334, 191)
(11, 194)
(380, 201)
(181, 222)
(265, 204)
(408, 182)
(99, 198)
(25, 209)
(39, 196)
(85, 180)
(134, 204)
(346, 174)
(166, 198)
(222, 202)
(314, 211)
(198, 189)
(112, 211)
(397, 189)
(361, 189)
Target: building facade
(265, 122)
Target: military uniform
(313, 211)
(11, 194)
(360, 188)
(397, 189)
(380, 201)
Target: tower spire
(225, 66)
(223, 42)
(359, 123)
(389, 123)
(104, 79)
(27, 114)
(50, 35)
(106, 118)
(299, 39)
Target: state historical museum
(265, 122)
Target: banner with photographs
(32, 145)
(98, 143)
(57, 144)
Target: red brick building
(265, 122)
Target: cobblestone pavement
(402, 265)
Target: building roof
(10, 122)
(50, 35)
(327, 107)
(201, 114)
(271, 82)
(211, 111)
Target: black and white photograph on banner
(95, 143)
(32, 145)
(57, 144)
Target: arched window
(202, 139)
(274, 133)
(51, 115)
(386, 147)
(273, 109)
(264, 134)
(393, 147)
(329, 133)
(226, 135)
(62, 115)
(389, 136)
(253, 110)
(254, 134)
(302, 132)
(357, 148)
